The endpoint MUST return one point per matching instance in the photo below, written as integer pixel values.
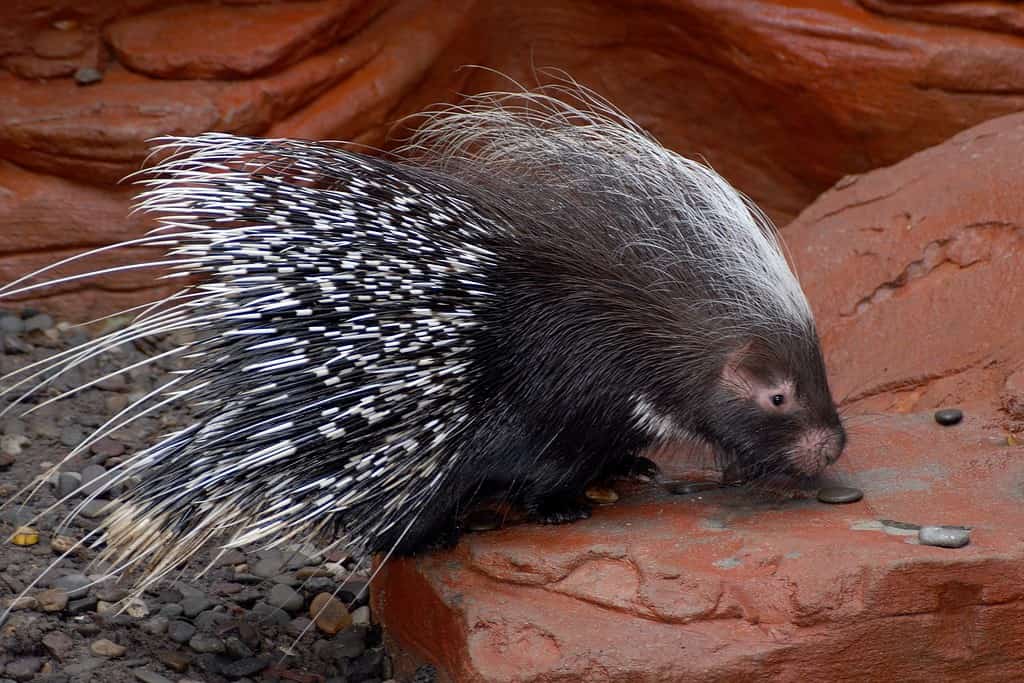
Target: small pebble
(171, 611)
(248, 666)
(180, 631)
(147, 676)
(236, 649)
(312, 572)
(87, 75)
(107, 648)
(22, 602)
(943, 536)
(601, 495)
(58, 643)
(837, 495)
(68, 483)
(949, 416)
(94, 478)
(12, 444)
(483, 520)
(175, 661)
(361, 616)
(11, 324)
(40, 321)
(76, 585)
(269, 614)
(23, 668)
(350, 643)
(203, 643)
(25, 536)
(329, 615)
(86, 604)
(193, 606)
(96, 508)
(285, 597)
(155, 626)
(52, 600)
(683, 488)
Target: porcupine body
(525, 301)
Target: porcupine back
(371, 333)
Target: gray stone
(38, 322)
(180, 631)
(171, 611)
(350, 643)
(194, 605)
(58, 644)
(96, 508)
(211, 620)
(11, 324)
(23, 668)
(236, 649)
(68, 483)
(83, 665)
(269, 564)
(94, 478)
(156, 625)
(285, 597)
(269, 614)
(71, 436)
(147, 676)
(944, 537)
(74, 584)
(248, 666)
(203, 644)
(88, 75)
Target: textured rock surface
(719, 587)
(783, 97)
(915, 273)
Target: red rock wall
(784, 98)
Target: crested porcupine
(524, 299)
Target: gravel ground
(239, 622)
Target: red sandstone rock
(914, 272)
(44, 219)
(782, 97)
(225, 42)
(720, 586)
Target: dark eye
(778, 399)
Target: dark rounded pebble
(949, 416)
(180, 631)
(683, 488)
(193, 606)
(836, 495)
(944, 536)
(249, 666)
(203, 643)
(236, 649)
(350, 643)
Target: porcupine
(524, 299)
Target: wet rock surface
(71, 628)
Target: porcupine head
(533, 293)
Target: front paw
(558, 512)
(640, 468)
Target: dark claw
(561, 512)
(643, 469)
